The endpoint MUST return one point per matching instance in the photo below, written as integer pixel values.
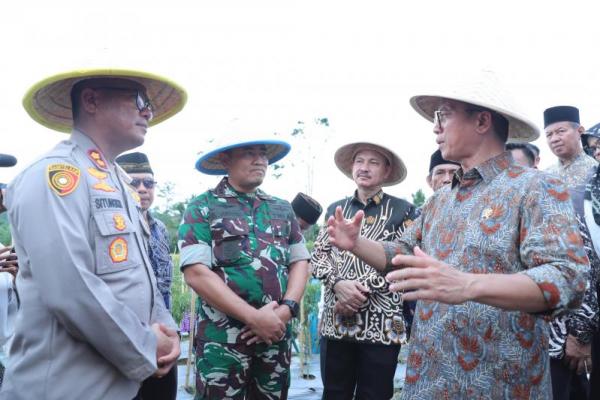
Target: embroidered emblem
(370, 220)
(97, 174)
(63, 178)
(487, 213)
(118, 250)
(119, 221)
(97, 159)
(103, 186)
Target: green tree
(5, 237)
(418, 198)
(171, 213)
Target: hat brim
(520, 129)
(210, 163)
(344, 158)
(49, 101)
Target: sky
(270, 64)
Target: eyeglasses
(142, 102)
(148, 183)
(441, 116)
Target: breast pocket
(115, 247)
(231, 243)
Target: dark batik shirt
(249, 241)
(380, 320)
(160, 257)
(495, 218)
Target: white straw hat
(484, 91)
(344, 158)
(49, 101)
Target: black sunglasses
(148, 183)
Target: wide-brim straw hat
(210, 163)
(344, 158)
(49, 101)
(485, 91)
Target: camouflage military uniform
(248, 240)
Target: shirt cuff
(298, 251)
(199, 253)
(560, 296)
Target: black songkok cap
(560, 114)
(135, 163)
(7, 160)
(437, 159)
(307, 208)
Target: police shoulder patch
(63, 178)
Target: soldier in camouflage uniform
(243, 253)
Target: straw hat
(49, 101)
(210, 162)
(486, 92)
(344, 158)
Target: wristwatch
(293, 306)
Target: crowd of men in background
(493, 282)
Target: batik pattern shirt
(160, 257)
(582, 322)
(575, 173)
(495, 218)
(249, 241)
(380, 320)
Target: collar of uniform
(486, 171)
(224, 189)
(82, 140)
(377, 198)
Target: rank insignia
(97, 159)
(118, 250)
(63, 178)
(97, 174)
(103, 186)
(119, 221)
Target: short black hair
(524, 147)
(534, 148)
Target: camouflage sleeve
(551, 248)
(194, 236)
(322, 260)
(583, 321)
(298, 250)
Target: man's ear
(484, 121)
(581, 130)
(89, 100)
(428, 179)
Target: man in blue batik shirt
(138, 168)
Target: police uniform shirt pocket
(115, 247)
